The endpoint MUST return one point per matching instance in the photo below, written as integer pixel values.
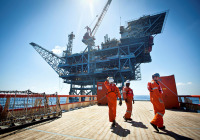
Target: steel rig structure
(120, 59)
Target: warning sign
(99, 87)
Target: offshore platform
(119, 59)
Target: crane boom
(105, 9)
(52, 59)
(88, 37)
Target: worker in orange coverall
(157, 101)
(128, 97)
(113, 93)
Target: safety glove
(126, 100)
(120, 101)
(133, 101)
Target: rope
(169, 89)
(102, 97)
(93, 20)
(11, 115)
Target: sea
(141, 97)
(21, 102)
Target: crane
(88, 37)
(52, 59)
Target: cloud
(180, 84)
(189, 83)
(58, 50)
(183, 84)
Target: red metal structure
(170, 96)
(101, 94)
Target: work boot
(130, 119)
(125, 118)
(155, 127)
(162, 128)
(113, 124)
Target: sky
(48, 23)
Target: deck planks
(93, 123)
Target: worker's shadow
(138, 124)
(118, 130)
(174, 135)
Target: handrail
(186, 101)
(77, 96)
(18, 109)
(197, 96)
(48, 95)
(188, 104)
(41, 95)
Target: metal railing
(22, 107)
(190, 102)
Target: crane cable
(93, 21)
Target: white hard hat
(127, 81)
(110, 79)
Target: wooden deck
(92, 123)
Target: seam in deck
(57, 134)
(184, 127)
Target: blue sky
(48, 22)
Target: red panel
(170, 96)
(101, 94)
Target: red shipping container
(101, 94)
(170, 96)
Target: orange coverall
(128, 94)
(157, 101)
(113, 93)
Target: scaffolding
(23, 107)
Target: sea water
(21, 102)
(141, 97)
